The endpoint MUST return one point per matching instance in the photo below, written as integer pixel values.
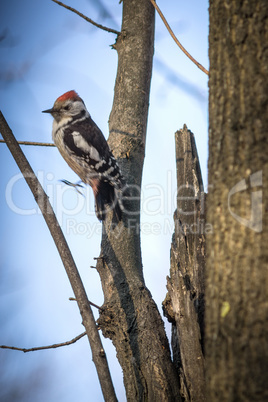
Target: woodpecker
(85, 149)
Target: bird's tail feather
(106, 197)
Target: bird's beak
(48, 111)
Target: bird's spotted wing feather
(86, 141)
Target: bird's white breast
(57, 127)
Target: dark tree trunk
(184, 304)
(237, 276)
(130, 317)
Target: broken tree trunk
(184, 303)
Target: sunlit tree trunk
(130, 316)
(237, 268)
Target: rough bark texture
(184, 304)
(130, 317)
(237, 277)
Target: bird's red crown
(68, 95)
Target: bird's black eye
(67, 107)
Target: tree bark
(130, 317)
(184, 304)
(237, 280)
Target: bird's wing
(87, 142)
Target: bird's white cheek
(58, 125)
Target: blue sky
(45, 51)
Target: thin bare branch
(39, 144)
(92, 304)
(176, 39)
(56, 345)
(70, 267)
(86, 18)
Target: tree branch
(86, 18)
(40, 144)
(56, 345)
(92, 304)
(42, 200)
(176, 39)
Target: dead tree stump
(184, 303)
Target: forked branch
(42, 200)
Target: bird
(83, 146)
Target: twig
(40, 144)
(91, 303)
(67, 259)
(56, 345)
(86, 18)
(176, 39)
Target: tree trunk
(184, 304)
(237, 280)
(130, 317)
